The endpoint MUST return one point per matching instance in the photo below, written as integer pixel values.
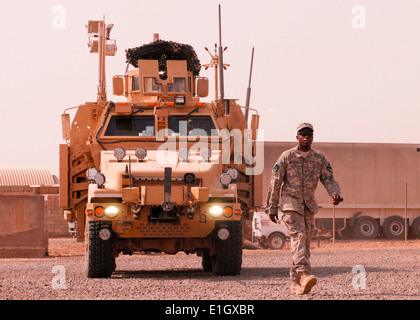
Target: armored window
(178, 85)
(150, 85)
(135, 83)
(131, 126)
(191, 126)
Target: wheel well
(276, 232)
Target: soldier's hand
(336, 199)
(274, 217)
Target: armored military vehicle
(161, 171)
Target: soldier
(294, 178)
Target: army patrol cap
(304, 125)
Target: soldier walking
(294, 179)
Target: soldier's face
(305, 139)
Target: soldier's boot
(307, 281)
(295, 287)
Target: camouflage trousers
(300, 228)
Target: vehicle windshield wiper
(189, 113)
(141, 109)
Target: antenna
(214, 63)
(217, 63)
(221, 81)
(248, 91)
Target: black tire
(276, 241)
(394, 227)
(100, 260)
(206, 262)
(416, 227)
(228, 259)
(366, 227)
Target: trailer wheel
(100, 261)
(366, 227)
(394, 227)
(276, 240)
(228, 259)
(416, 227)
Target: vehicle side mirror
(118, 85)
(202, 87)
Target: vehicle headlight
(233, 173)
(216, 211)
(179, 100)
(91, 173)
(184, 154)
(111, 211)
(205, 153)
(141, 153)
(99, 179)
(225, 179)
(119, 153)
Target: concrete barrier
(22, 231)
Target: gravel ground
(391, 272)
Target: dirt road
(348, 269)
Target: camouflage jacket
(296, 179)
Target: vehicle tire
(100, 260)
(228, 259)
(394, 227)
(276, 241)
(206, 262)
(416, 227)
(366, 227)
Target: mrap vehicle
(157, 172)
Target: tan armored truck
(157, 172)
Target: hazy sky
(352, 68)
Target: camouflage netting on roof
(165, 50)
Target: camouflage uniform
(295, 179)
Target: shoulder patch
(276, 168)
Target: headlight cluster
(120, 153)
(185, 153)
(109, 211)
(217, 211)
(206, 153)
(228, 177)
(95, 176)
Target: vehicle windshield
(191, 126)
(131, 126)
(144, 126)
